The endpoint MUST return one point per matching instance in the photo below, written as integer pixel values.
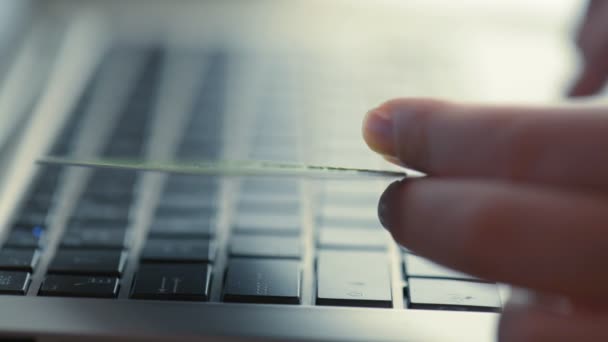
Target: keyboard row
(344, 278)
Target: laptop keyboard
(278, 241)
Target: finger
(592, 79)
(562, 145)
(531, 237)
(593, 45)
(535, 323)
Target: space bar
(353, 279)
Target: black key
(193, 213)
(263, 281)
(178, 251)
(269, 205)
(31, 219)
(191, 185)
(25, 237)
(259, 185)
(451, 294)
(94, 211)
(366, 214)
(348, 223)
(79, 286)
(94, 238)
(265, 246)
(353, 279)
(106, 223)
(18, 259)
(117, 196)
(187, 200)
(268, 224)
(13, 282)
(416, 266)
(88, 261)
(182, 227)
(172, 282)
(343, 238)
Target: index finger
(554, 145)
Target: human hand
(592, 41)
(517, 195)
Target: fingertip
(378, 131)
(389, 204)
(382, 126)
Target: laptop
(109, 255)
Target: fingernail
(378, 131)
(388, 212)
(393, 160)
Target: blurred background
(350, 55)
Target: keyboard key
(416, 266)
(263, 186)
(31, 219)
(94, 211)
(353, 238)
(267, 224)
(105, 223)
(359, 213)
(18, 259)
(172, 282)
(79, 286)
(187, 200)
(263, 281)
(88, 261)
(94, 238)
(14, 283)
(269, 205)
(118, 195)
(265, 246)
(353, 279)
(178, 251)
(192, 185)
(450, 294)
(25, 237)
(192, 213)
(182, 227)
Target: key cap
(263, 281)
(259, 185)
(182, 227)
(178, 251)
(349, 222)
(18, 259)
(106, 223)
(172, 282)
(265, 246)
(353, 279)
(88, 261)
(94, 211)
(192, 213)
(25, 237)
(79, 286)
(416, 266)
(187, 200)
(359, 213)
(13, 282)
(269, 205)
(94, 238)
(353, 239)
(450, 294)
(192, 185)
(267, 224)
(118, 195)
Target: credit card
(231, 168)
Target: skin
(517, 195)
